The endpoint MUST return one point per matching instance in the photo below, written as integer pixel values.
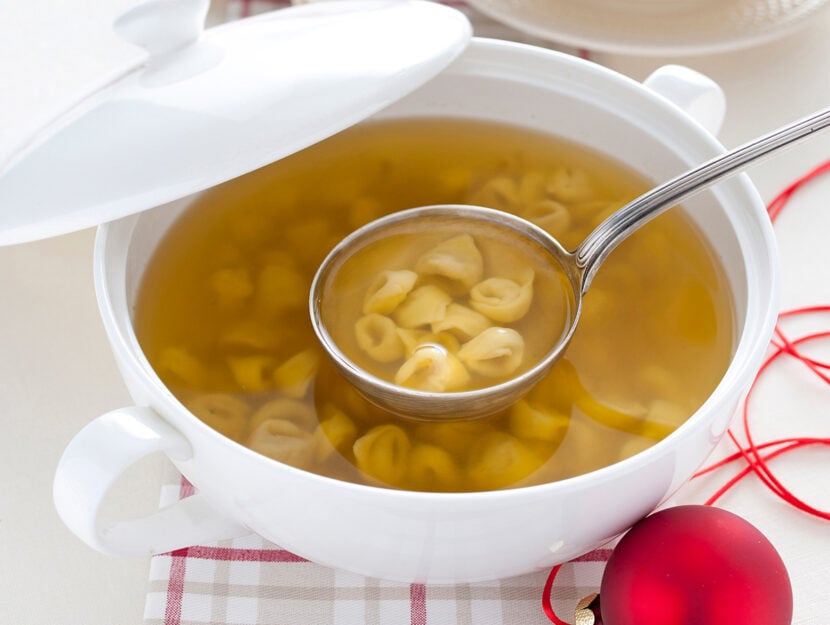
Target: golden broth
(222, 310)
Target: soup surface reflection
(222, 312)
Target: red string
(778, 203)
(757, 455)
(546, 594)
(756, 462)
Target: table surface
(57, 372)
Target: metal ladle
(580, 266)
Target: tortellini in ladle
(389, 289)
(443, 325)
(493, 353)
(457, 259)
(502, 299)
(377, 335)
(432, 368)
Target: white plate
(650, 27)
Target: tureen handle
(697, 95)
(94, 461)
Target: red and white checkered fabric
(249, 581)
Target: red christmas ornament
(695, 565)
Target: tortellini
(495, 353)
(258, 372)
(252, 373)
(377, 335)
(444, 325)
(424, 305)
(500, 192)
(500, 459)
(538, 423)
(432, 368)
(389, 289)
(294, 376)
(279, 288)
(570, 185)
(284, 409)
(457, 259)
(336, 431)
(551, 215)
(178, 366)
(383, 453)
(432, 468)
(250, 334)
(462, 321)
(284, 441)
(502, 299)
(232, 286)
(224, 413)
(543, 197)
(412, 339)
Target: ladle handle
(601, 242)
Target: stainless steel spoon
(580, 266)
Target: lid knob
(162, 26)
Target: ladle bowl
(448, 218)
(579, 266)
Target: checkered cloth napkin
(250, 581)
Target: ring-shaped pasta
(501, 192)
(532, 187)
(549, 214)
(377, 335)
(383, 453)
(232, 286)
(177, 364)
(503, 300)
(388, 290)
(570, 185)
(413, 339)
(250, 334)
(528, 421)
(284, 441)
(224, 413)
(335, 432)
(454, 436)
(253, 374)
(432, 468)
(457, 259)
(280, 288)
(461, 321)
(284, 409)
(423, 306)
(433, 369)
(495, 353)
(294, 376)
(500, 459)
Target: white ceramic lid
(209, 106)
